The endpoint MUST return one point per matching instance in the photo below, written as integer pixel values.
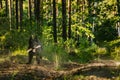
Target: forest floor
(95, 70)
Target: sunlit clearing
(19, 52)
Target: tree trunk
(41, 16)
(69, 16)
(13, 7)
(16, 5)
(41, 12)
(90, 18)
(118, 7)
(6, 7)
(10, 15)
(35, 8)
(29, 10)
(118, 28)
(77, 37)
(118, 11)
(21, 13)
(1, 4)
(64, 21)
(37, 15)
(30, 13)
(54, 21)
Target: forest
(76, 39)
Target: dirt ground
(67, 71)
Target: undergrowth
(16, 43)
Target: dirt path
(97, 70)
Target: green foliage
(50, 51)
(115, 54)
(14, 39)
(4, 23)
(81, 30)
(83, 54)
(113, 48)
(106, 31)
(2, 12)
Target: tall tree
(69, 16)
(13, 7)
(89, 2)
(38, 10)
(118, 7)
(54, 21)
(21, 12)
(64, 21)
(35, 7)
(10, 14)
(29, 11)
(1, 4)
(6, 7)
(118, 11)
(41, 13)
(77, 37)
(16, 6)
(37, 15)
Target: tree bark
(118, 7)
(64, 21)
(13, 7)
(29, 9)
(21, 13)
(54, 22)
(77, 37)
(16, 6)
(1, 5)
(38, 16)
(10, 15)
(30, 12)
(69, 17)
(118, 14)
(6, 7)
(37, 12)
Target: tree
(118, 11)
(10, 15)
(37, 14)
(69, 16)
(21, 12)
(54, 21)
(29, 10)
(90, 19)
(16, 6)
(1, 5)
(64, 21)
(41, 15)
(77, 37)
(13, 7)
(118, 7)
(6, 7)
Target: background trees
(74, 25)
(54, 21)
